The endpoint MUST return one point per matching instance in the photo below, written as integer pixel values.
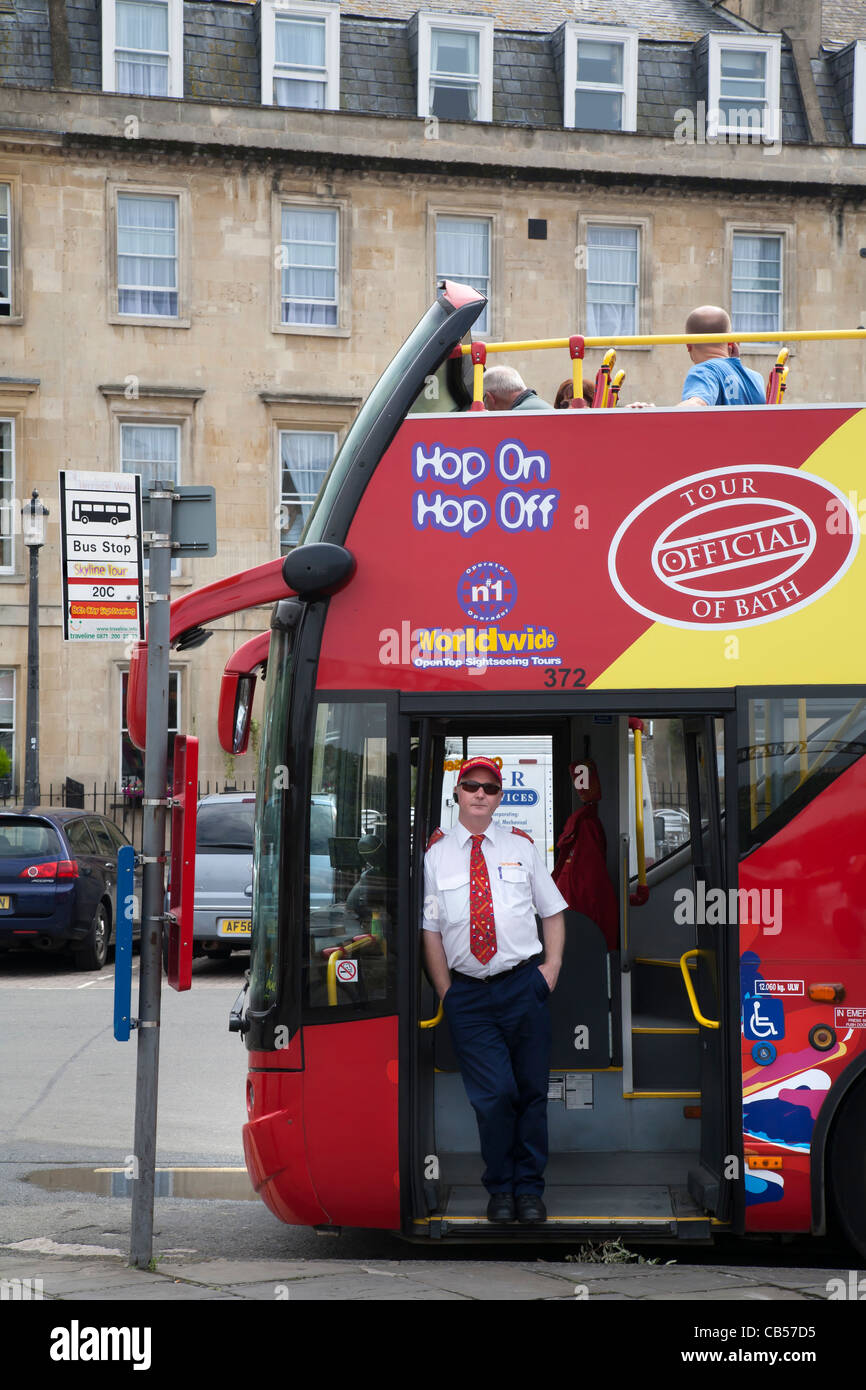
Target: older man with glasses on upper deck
(483, 886)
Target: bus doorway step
(597, 1213)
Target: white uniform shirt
(520, 885)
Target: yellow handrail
(575, 347)
(435, 1020)
(704, 1022)
(667, 339)
(803, 731)
(641, 895)
(338, 954)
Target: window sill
(11, 319)
(764, 349)
(312, 330)
(142, 321)
(625, 347)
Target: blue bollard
(123, 943)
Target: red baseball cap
(474, 765)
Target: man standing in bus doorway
(483, 885)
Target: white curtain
(304, 459)
(463, 254)
(7, 501)
(300, 44)
(141, 52)
(7, 717)
(147, 255)
(599, 62)
(290, 91)
(151, 450)
(454, 75)
(309, 277)
(4, 241)
(742, 88)
(454, 52)
(611, 281)
(154, 452)
(756, 284)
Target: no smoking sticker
(347, 972)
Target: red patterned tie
(482, 932)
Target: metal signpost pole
(31, 750)
(33, 516)
(153, 876)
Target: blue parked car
(58, 882)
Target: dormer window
(743, 87)
(142, 47)
(858, 133)
(455, 68)
(300, 55)
(600, 78)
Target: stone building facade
(209, 278)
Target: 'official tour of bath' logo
(732, 547)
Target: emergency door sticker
(733, 547)
(347, 972)
(786, 988)
(850, 1018)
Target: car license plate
(5, 904)
(234, 926)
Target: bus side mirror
(235, 711)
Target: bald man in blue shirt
(717, 376)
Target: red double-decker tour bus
(664, 599)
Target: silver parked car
(223, 873)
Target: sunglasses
(489, 788)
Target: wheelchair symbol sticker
(763, 1019)
(347, 972)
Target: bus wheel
(94, 952)
(848, 1168)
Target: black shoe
(500, 1208)
(531, 1210)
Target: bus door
(706, 962)
(427, 764)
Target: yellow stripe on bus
(779, 653)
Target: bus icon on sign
(105, 512)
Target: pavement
(69, 1273)
(93, 1307)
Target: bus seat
(602, 380)
(778, 379)
(613, 394)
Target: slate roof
(378, 65)
(843, 20)
(666, 20)
(684, 20)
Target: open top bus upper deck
(698, 549)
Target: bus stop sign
(182, 885)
